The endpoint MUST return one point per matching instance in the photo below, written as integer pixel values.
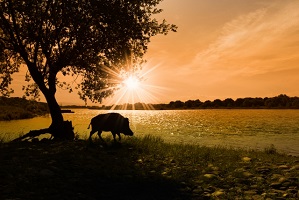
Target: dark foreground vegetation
(143, 168)
(20, 108)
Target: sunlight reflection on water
(237, 128)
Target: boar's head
(126, 127)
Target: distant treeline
(282, 101)
(20, 108)
(279, 102)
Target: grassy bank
(143, 168)
(19, 108)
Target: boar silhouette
(113, 122)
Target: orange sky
(223, 48)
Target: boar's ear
(126, 119)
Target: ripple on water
(239, 128)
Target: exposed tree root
(62, 133)
(32, 134)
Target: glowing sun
(132, 83)
(135, 86)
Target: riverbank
(20, 108)
(143, 168)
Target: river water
(244, 128)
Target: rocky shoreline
(140, 169)
(267, 181)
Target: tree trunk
(60, 130)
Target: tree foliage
(75, 37)
(86, 38)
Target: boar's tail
(88, 126)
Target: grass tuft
(271, 149)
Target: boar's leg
(114, 135)
(100, 136)
(91, 133)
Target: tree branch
(15, 27)
(10, 31)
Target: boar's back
(109, 122)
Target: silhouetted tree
(207, 104)
(189, 104)
(282, 100)
(248, 102)
(197, 103)
(193, 103)
(295, 102)
(228, 102)
(217, 103)
(239, 102)
(259, 102)
(84, 38)
(176, 104)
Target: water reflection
(238, 128)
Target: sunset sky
(223, 48)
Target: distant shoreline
(279, 102)
(20, 108)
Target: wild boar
(113, 122)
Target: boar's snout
(129, 132)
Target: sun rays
(133, 87)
